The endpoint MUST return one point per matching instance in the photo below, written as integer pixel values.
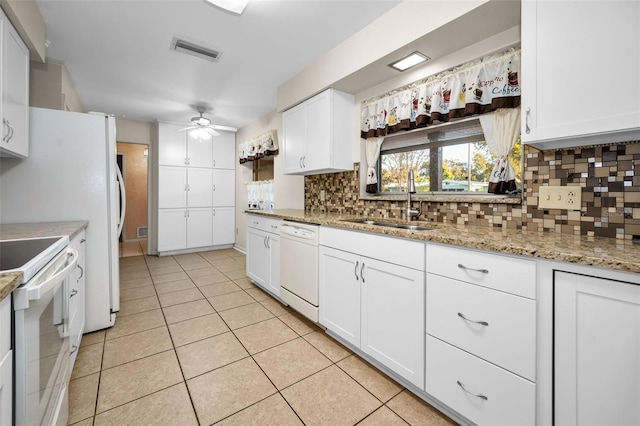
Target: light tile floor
(196, 342)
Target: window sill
(446, 198)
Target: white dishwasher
(299, 267)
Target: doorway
(133, 161)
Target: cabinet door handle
(83, 241)
(73, 293)
(11, 134)
(256, 223)
(361, 269)
(300, 162)
(73, 349)
(265, 242)
(470, 320)
(214, 212)
(304, 163)
(214, 188)
(526, 121)
(268, 242)
(186, 161)
(214, 163)
(355, 271)
(484, 271)
(81, 272)
(478, 395)
(6, 135)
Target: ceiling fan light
(233, 6)
(200, 133)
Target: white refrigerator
(71, 174)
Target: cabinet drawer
(508, 274)
(266, 224)
(510, 400)
(399, 251)
(509, 339)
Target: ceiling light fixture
(200, 133)
(233, 6)
(409, 61)
(193, 49)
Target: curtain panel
(477, 87)
(258, 147)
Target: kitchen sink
(391, 224)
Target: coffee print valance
(261, 146)
(475, 88)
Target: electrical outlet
(560, 197)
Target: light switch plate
(560, 197)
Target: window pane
(464, 167)
(395, 169)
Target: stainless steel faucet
(411, 189)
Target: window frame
(441, 195)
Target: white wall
(133, 131)
(400, 26)
(288, 190)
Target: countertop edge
(502, 240)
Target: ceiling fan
(201, 127)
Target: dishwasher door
(299, 261)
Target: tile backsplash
(608, 175)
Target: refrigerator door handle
(123, 200)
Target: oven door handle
(36, 292)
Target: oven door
(42, 343)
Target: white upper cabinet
(14, 107)
(319, 134)
(580, 72)
(224, 151)
(178, 148)
(173, 145)
(199, 152)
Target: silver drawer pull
(355, 270)
(73, 293)
(484, 271)
(73, 349)
(477, 322)
(478, 395)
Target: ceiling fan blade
(211, 131)
(186, 128)
(226, 128)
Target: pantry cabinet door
(172, 183)
(172, 229)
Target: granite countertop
(622, 255)
(9, 281)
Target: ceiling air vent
(193, 49)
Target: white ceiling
(117, 52)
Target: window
(454, 160)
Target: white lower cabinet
(374, 305)
(263, 252)
(339, 292)
(224, 225)
(199, 227)
(480, 391)
(172, 229)
(481, 334)
(6, 362)
(77, 297)
(393, 317)
(596, 350)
